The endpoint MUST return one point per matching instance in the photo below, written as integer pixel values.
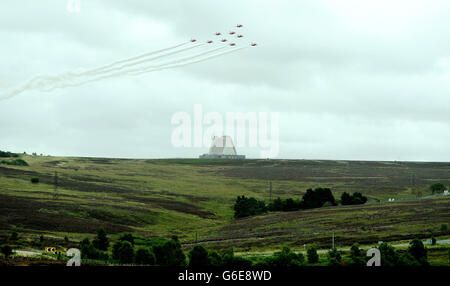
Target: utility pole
(55, 192)
(270, 191)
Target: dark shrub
(34, 180)
(248, 207)
(145, 256)
(285, 258)
(418, 251)
(88, 251)
(334, 257)
(214, 258)
(317, 198)
(127, 237)
(198, 257)
(229, 260)
(389, 256)
(126, 253)
(312, 256)
(437, 188)
(355, 199)
(406, 259)
(357, 257)
(6, 250)
(169, 253)
(7, 154)
(101, 242)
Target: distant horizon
(247, 158)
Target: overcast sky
(355, 79)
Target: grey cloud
(349, 81)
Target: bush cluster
(17, 162)
(6, 154)
(355, 199)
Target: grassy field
(193, 198)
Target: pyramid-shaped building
(222, 147)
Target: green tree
(334, 257)
(346, 199)
(245, 207)
(115, 249)
(359, 199)
(145, 256)
(126, 253)
(311, 255)
(406, 259)
(88, 251)
(214, 259)
(229, 260)
(355, 199)
(6, 250)
(198, 257)
(317, 198)
(444, 227)
(84, 242)
(418, 251)
(389, 256)
(437, 188)
(276, 205)
(127, 237)
(355, 251)
(357, 257)
(170, 253)
(101, 242)
(285, 258)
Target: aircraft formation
(180, 55)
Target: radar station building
(222, 147)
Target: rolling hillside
(193, 198)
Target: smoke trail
(139, 71)
(40, 81)
(112, 69)
(180, 60)
(140, 56)
(48, 83)
(190, 63)
(133, 71)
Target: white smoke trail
(139, 57)
(48, 83)
(131, 64)
(185, 59)
(190, 63)
(135, 71)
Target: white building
(222, 148)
